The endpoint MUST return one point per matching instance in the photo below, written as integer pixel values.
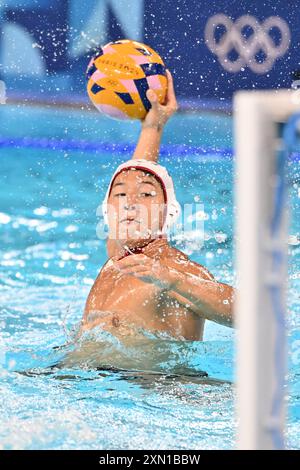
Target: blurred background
(45, 45)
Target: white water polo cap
(160, 172)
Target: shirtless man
(146, 282)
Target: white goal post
(261, 264)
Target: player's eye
(145, 194)
(119, 194)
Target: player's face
(135, 206)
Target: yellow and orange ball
(119, 76)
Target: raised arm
(153, 124)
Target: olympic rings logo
(247, 48)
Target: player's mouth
(130, 221)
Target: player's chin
(136, 241)
(136, 233)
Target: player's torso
(128, 300)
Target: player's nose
(130, 206)
(131, 202)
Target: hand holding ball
(119, 76)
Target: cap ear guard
(173, 206)
(173, 213)
(104, 212)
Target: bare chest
(143, 304)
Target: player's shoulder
(181, 261)
(175, 254)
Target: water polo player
(146, 283)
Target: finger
(132, 260)
(152, 97)
(146, 275)
(171, 97)
(158, 245)
(143, 275)
(130, 264)
(134, 269)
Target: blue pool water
(105, 392)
